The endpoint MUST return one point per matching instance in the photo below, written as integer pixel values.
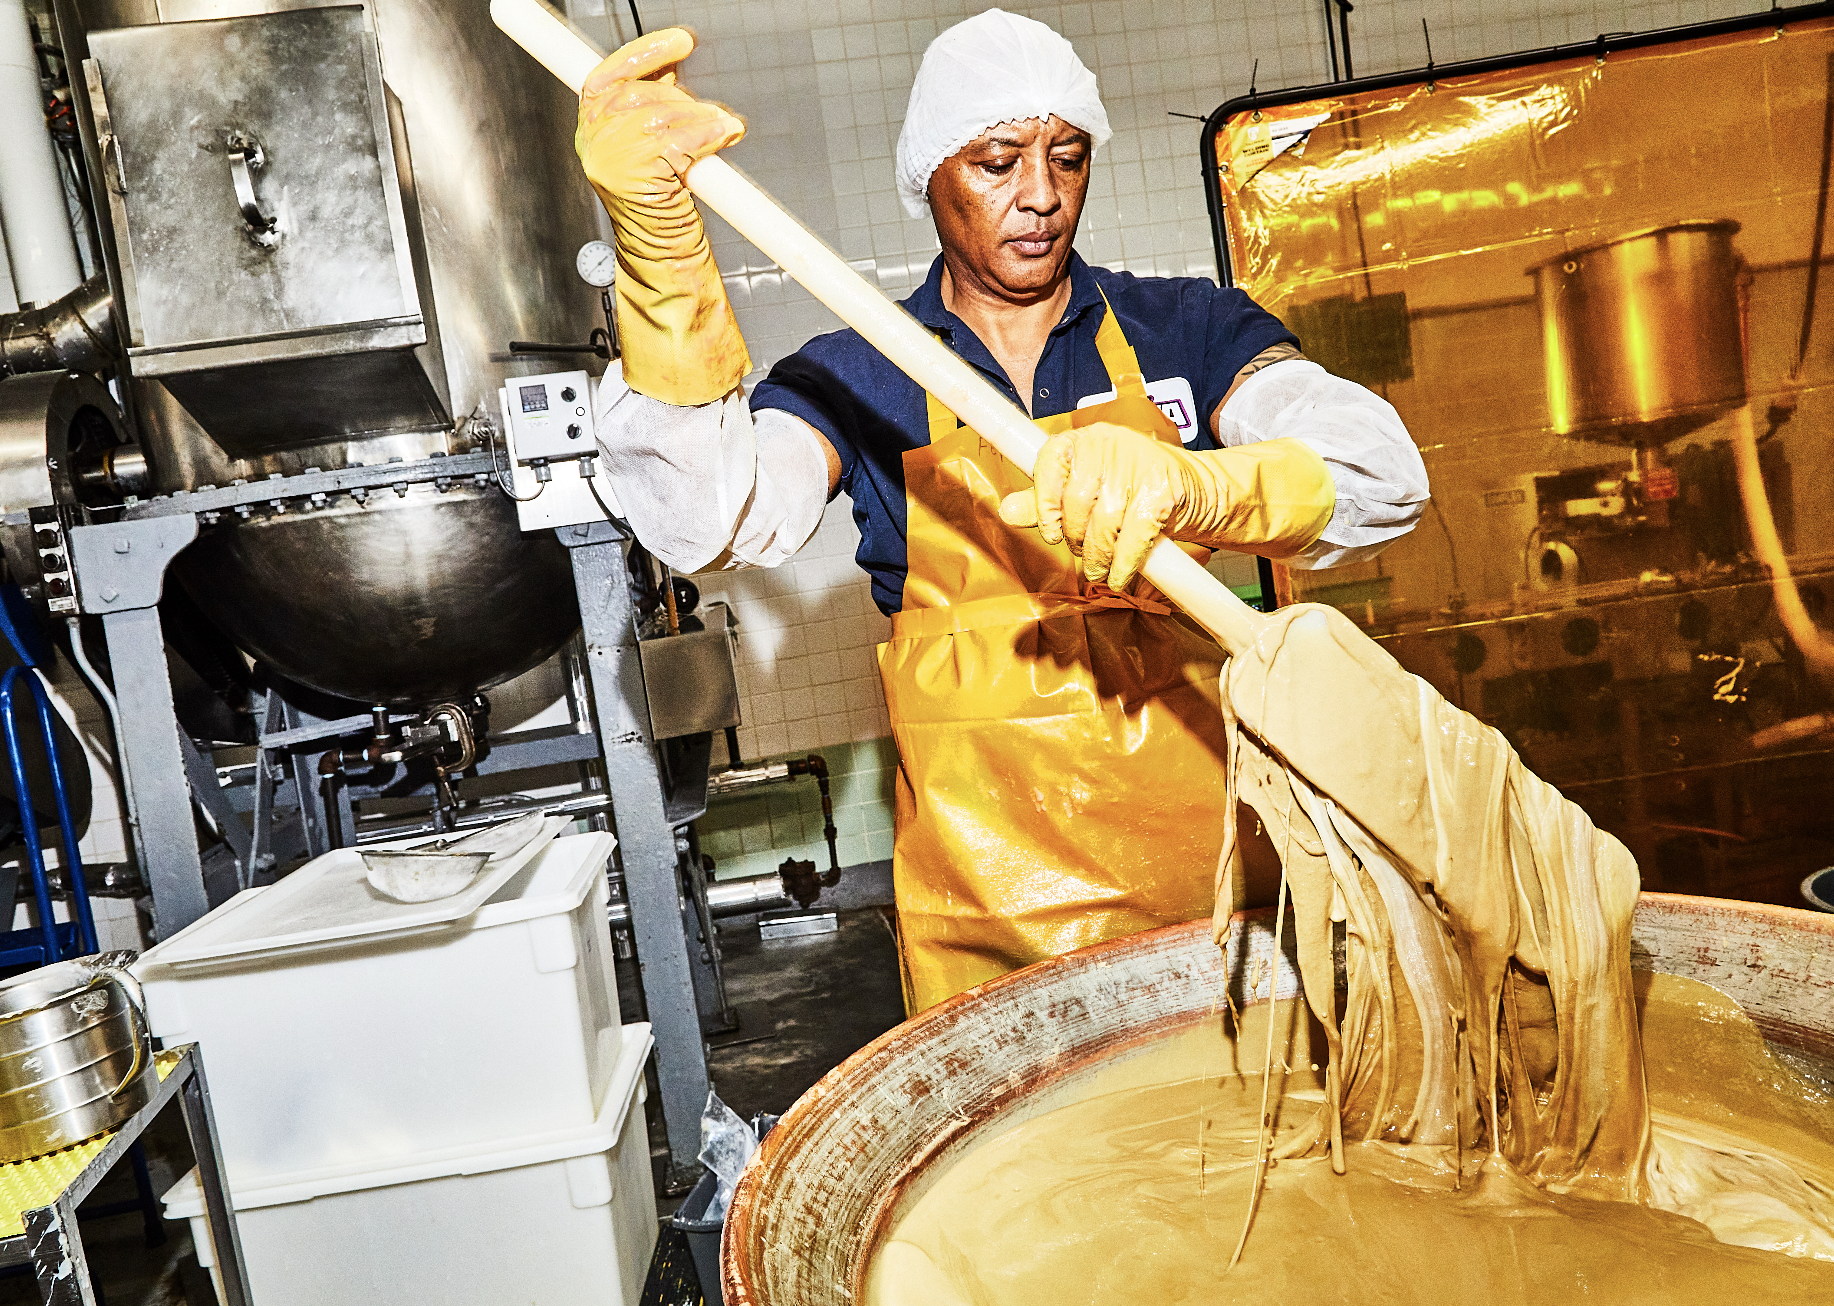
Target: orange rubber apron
(1059, 743)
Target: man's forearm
(1380, 480)
(709, 487)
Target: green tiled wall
(751, 833)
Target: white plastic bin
(572, 1223)
(495, 1031)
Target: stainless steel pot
(827, 1180)
(437, 594)
(1641, 334)
(75, 1054)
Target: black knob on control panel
(573, 431)
(567, 396)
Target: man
(1058, 726)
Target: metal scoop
(442, 867)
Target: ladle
(885, 326)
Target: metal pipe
(33, 215)
(330, 768)
(741, 897)
(817, 765)
(744, 777)
(103, 880)
(119, 471)
(74, 334)
(726, 898)
(737, 778)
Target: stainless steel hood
(272, 274)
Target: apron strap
(1118, 358)
(1111, 343)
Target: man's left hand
(1110, 492)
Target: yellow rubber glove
(639, 133)
(1111, 492)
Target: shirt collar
(927, 307)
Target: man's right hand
(639, 133)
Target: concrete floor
(805, 1005)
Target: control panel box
(553, 451)
(550, 417)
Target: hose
(106, 697)
(97, 685)
(73, 858)
(1817, 648)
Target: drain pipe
(74, 334)
(726, 898)
(33, 215)
(794, 881)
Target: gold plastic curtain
(1574, 280)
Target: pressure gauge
(597, 263)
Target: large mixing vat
(486, 611)
(422, 221)
(827, 1181)
(1641, 334)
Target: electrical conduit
(36, 223)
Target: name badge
(1173, 397)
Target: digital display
(534, 398)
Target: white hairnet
(995, 67)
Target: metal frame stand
(646, 835)
(120, 572)
(654, 790)
(53, 1240)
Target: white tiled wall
(118, 926)
(807, 631)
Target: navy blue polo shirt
(1182, 328)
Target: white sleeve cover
(1380, 480)
(709, 488)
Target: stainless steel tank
(826, 1182)
(421, 221)
(1641, 334)
(388, 631)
